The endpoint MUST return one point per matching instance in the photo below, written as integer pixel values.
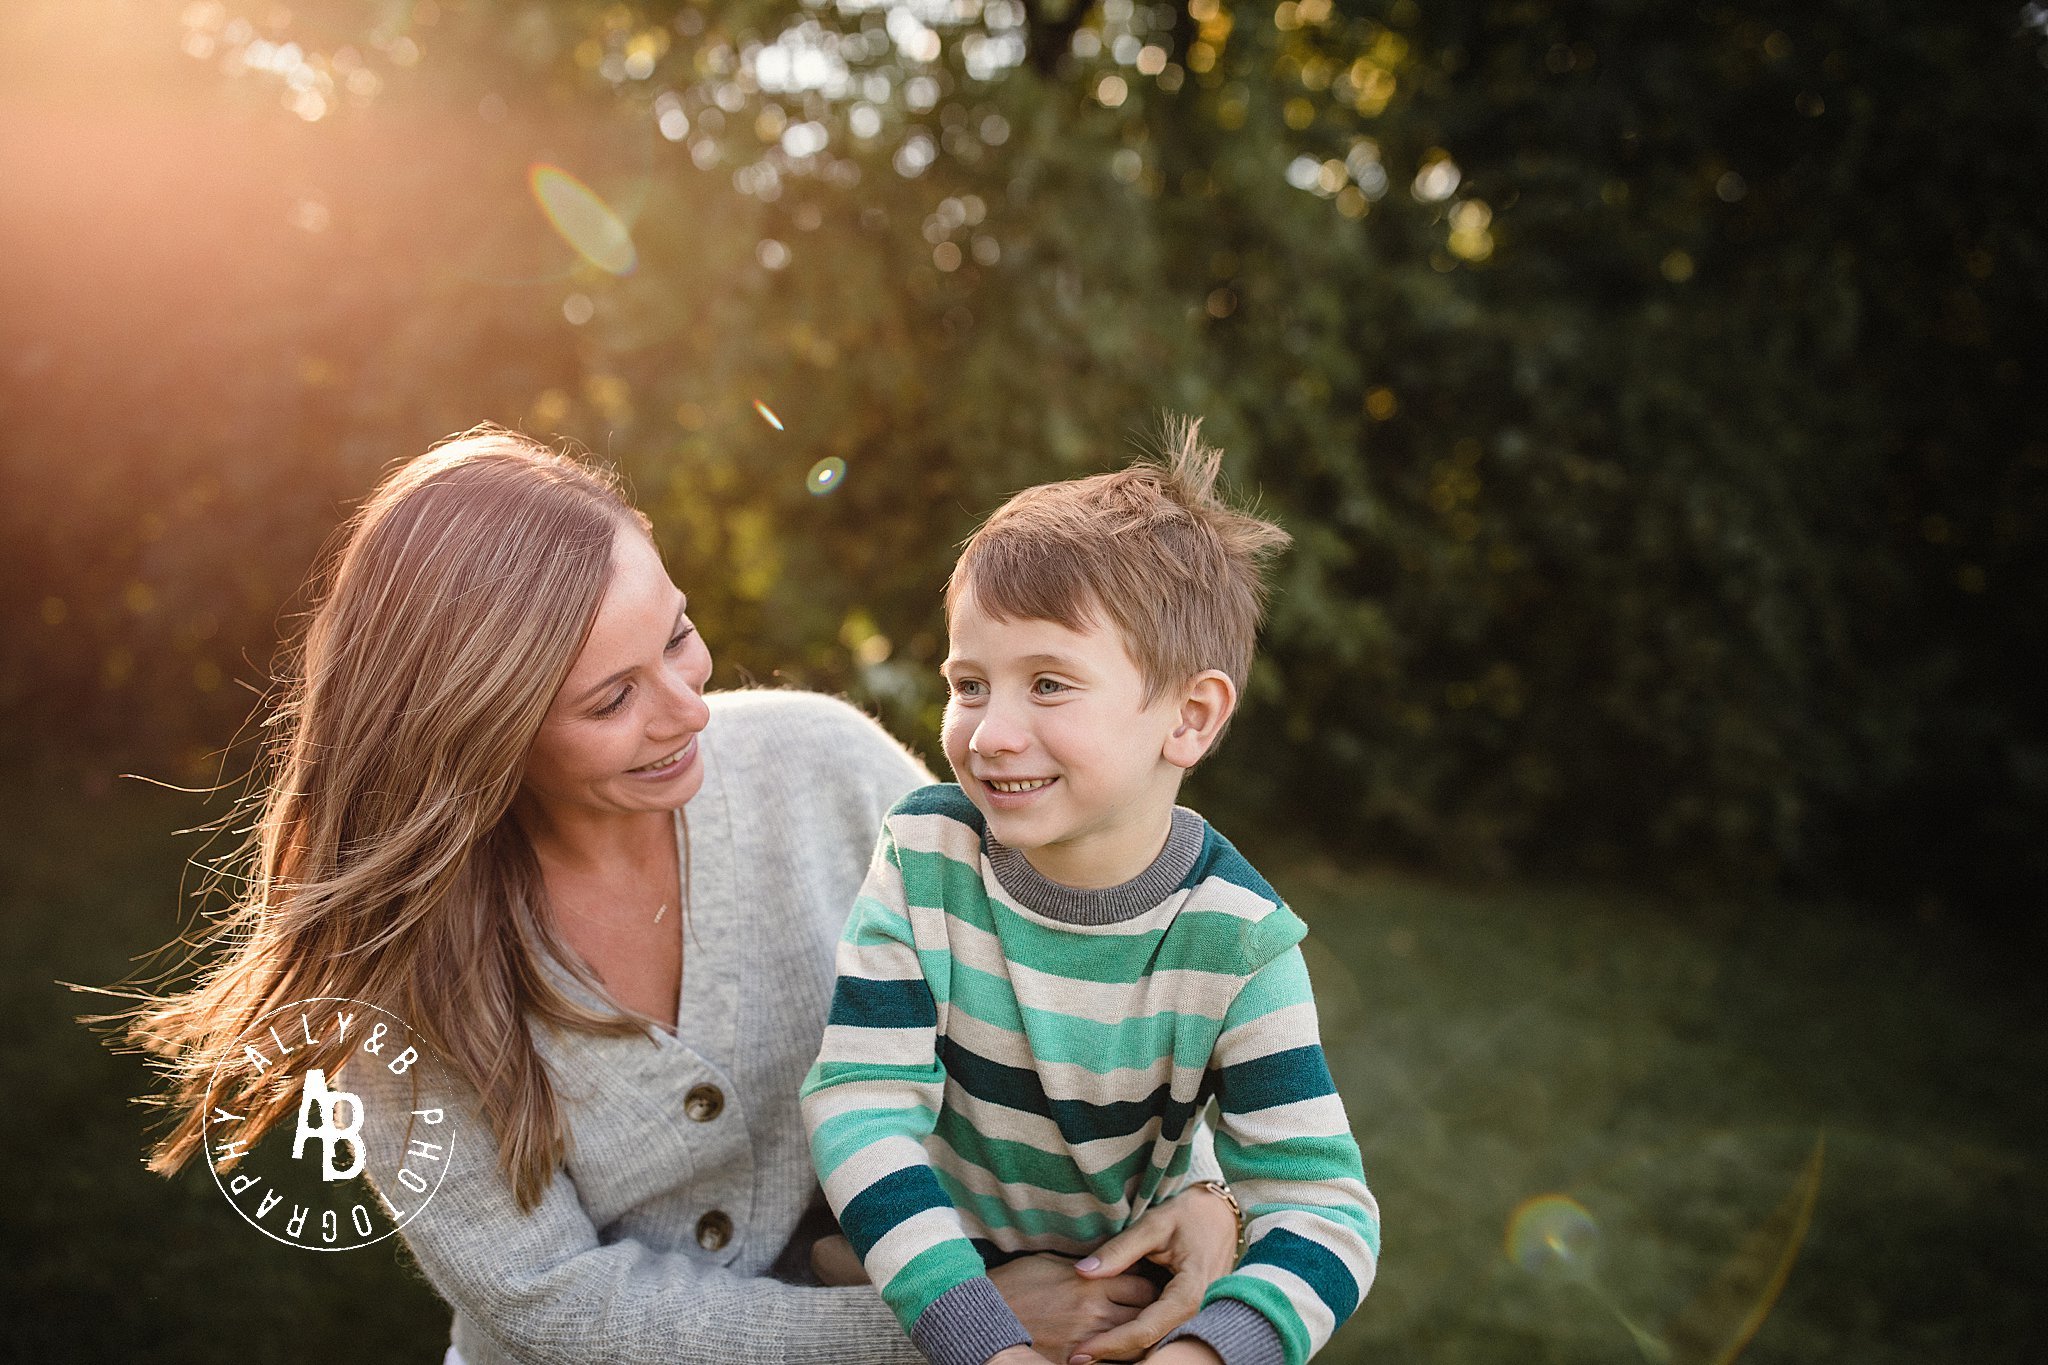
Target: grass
(1670, 1069)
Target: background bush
(1652, 391)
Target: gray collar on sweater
(1102, 905)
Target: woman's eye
(682, 635)
(611, 707)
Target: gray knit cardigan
(627, 1257)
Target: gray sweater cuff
(969, 1323)
(1236, 1331)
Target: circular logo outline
(264, 1021)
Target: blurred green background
(1648, 722)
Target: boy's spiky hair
(1151, 546)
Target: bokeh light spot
(583, 219)
(826, 475)
(1438, 179)
(768, 414)
(1554, 1237)
(549, 407)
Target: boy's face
(1049, 735)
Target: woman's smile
(664, 768)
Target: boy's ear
(1206, 704)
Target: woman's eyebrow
(682, 607)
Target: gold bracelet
(1222, 1191)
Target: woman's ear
(1206, 703)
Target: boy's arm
(1286, 1148)
(870, 1101)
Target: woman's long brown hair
(382, 862)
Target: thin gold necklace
(683, 879)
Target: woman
(501, 806)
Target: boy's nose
(996, 734)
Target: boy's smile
(1049, 734)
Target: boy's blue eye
(1045, 687)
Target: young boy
(1052, 968)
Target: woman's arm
(545, 1288)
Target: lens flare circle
(1554, 1237)
(582, 219)
(826, 475)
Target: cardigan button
(704, 1103)
(714, 1230)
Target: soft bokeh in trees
(1653, 391)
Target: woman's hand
(833, 1262)
(1193, 1234)
(1060, 1308)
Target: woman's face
(621, 735)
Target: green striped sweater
(1013, 1066)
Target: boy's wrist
(970, 1324)
(1234, 1331)
(1224, 1192)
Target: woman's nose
(683, 690)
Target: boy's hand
(1060, 1308)
(1194, 1235)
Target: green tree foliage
(1650, 389)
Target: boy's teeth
(1021, 786)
